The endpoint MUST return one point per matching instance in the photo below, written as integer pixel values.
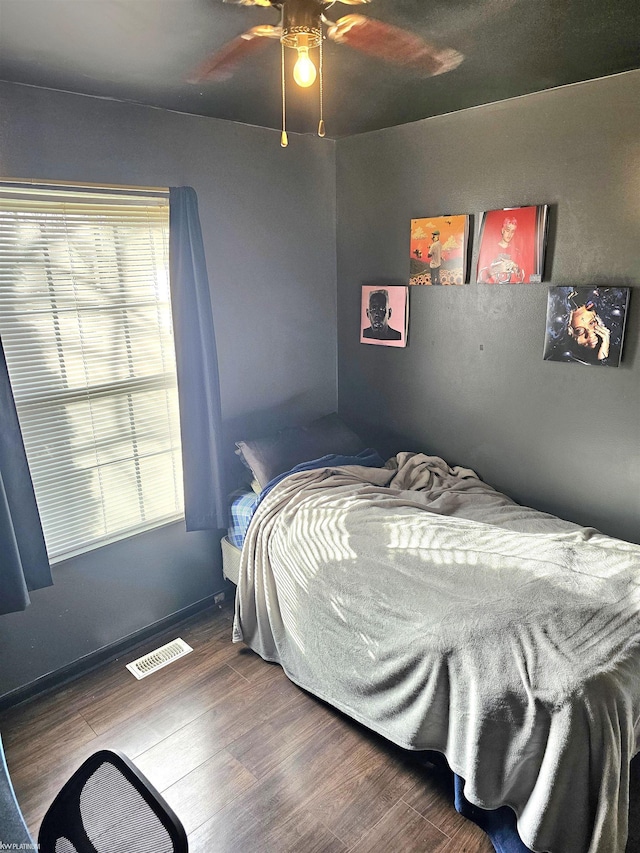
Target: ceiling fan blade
(393, 44)
(249, 2)
(223, 63)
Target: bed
(442, 615)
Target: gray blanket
(439, 613)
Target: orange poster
(439, 250)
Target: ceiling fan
(301, 27)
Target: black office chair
(108, 806)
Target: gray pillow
(274, 454)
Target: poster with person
(585, 325)
(384, 315)
(439, 246)
(512, 245)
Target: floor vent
(160, 657)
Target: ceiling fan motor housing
(301, 23)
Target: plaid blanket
(241, 509)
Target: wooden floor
(248, 760)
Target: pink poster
(383, 315)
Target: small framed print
(512, 245)
(384, 315)
(439, 250)
(586, 325)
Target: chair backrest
(108, 806)
(13, 829)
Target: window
(85, 322)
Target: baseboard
(54, 680)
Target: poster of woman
(439, 250)
(383, 315)
(586, 324)
(512, 245)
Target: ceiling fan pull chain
(321, 70)
(284, 139)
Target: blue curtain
(24, 564)
(197, 366)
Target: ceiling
(143, 51)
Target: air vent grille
(160, 657)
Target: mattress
(230, 561)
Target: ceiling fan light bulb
(304, 71)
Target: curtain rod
(84, 186)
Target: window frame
(116, 389)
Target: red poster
(512, 245)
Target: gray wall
(268, 220)
(472, 386)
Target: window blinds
(85, 322)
